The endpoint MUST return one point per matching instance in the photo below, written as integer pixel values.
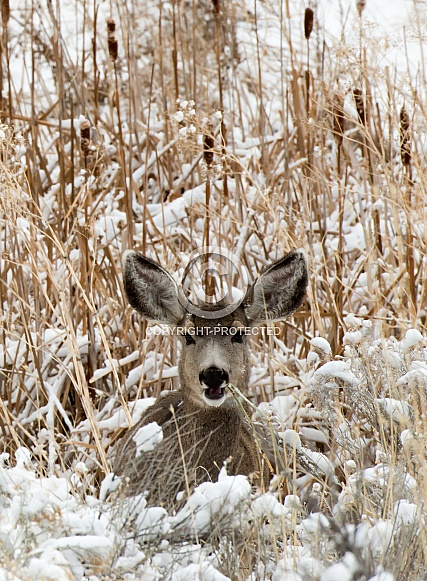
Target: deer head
(214, 350)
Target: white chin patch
(213, 398)
(213, 402)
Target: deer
(204, 425)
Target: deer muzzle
(214, 381)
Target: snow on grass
(337, 370)
(412, 339)
(347, 433)
(211, 501)
(147, 438)
(320, 344)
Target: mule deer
(203, 424)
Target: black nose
(213, 377)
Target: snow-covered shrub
(317, 143)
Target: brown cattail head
(215, 6)
(360, 105)
(5, 12)
(208, 151)
(113, 48)
(360, 5)
(113, 45)
(338, 113)
(405, 138)
(85, 137)
(308, 22)
(111, 26)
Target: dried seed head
(360, 5)
(111, 26)
(215, 4)
(404, 120)
(85, 137)
(360, 105)
(5, 12)
(113, 48)
(113, 45)
(405, 138)
(338, 113)
(308, 22)
(208, 145)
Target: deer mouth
(214, 393)
(214, 382)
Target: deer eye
(189, 339)
(237, 338)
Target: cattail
(360, 5)
(85, 137)
(308, 22)
(5, 12)
(338, 113)
(113, 45)
(360, 105)
(405, 139)
(208, 145)
(215, 4)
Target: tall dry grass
(330, 158)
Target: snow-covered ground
(52, 528)
(340, 394)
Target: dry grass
(312, 162)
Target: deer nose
(213, 377)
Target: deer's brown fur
(203, 424)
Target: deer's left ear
(279, 290)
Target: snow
(321, 344)
(110, 484)
(212, 501)
(393, 359)
(267, 506)
(60, 517)
(399, 410)
(321, 462)
(88, 547)
(352, 338)
(406, 436)
(114, 364)
(119, 419)
(405, 513)
(196, 572)
(147, 438)
(337, 370)
(382, 576)
(414, 377)
(291, 438)
(380, 536)
(412, 339)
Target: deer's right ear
(151, 290)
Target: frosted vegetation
(184, 124)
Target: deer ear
(151, 290)
(279, 290)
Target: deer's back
(196, 443)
